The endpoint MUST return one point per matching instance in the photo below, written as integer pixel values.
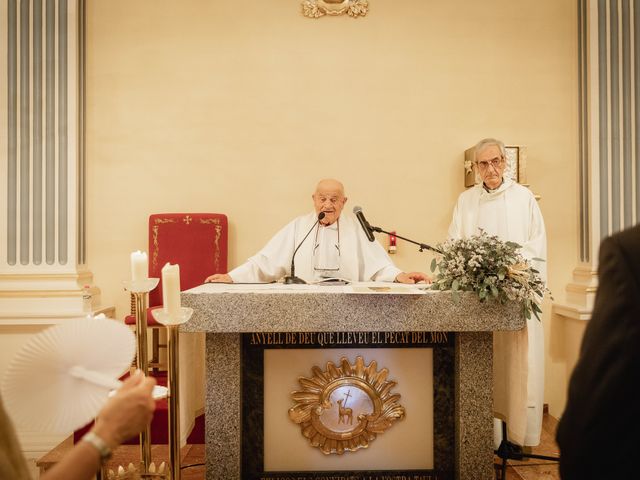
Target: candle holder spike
(140, 290)
(131, 472)
(173, 322)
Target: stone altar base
(225, 315)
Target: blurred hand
(218, 278)
(127, 412)
(413, 277)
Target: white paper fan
(61, 378)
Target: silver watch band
(99, 444)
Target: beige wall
(240, 107)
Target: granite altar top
(300, 308)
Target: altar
(249, 329)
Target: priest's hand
(218, 278)
(413, 277)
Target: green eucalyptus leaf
(488, 274)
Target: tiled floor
(192, 458)
(195, 455)
(533, 469)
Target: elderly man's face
(491, 165)
(329, 198)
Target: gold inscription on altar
(344, 408)
(323, 339)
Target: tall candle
(171, 289)
(139, 266)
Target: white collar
(506, 183)
(334, 226)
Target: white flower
(491, 268)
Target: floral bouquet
(491, 268)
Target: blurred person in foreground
(598, 431)
(124, 415)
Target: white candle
(171, 289)
(139, 266)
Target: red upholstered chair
(198, 243)
(195, 241)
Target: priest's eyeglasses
(494, 162)
(324, 267)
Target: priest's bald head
(490, 160)
(329, 198)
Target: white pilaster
(42, 255)
(42, 250)
(609, 176)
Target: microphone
(289, 279)
(363, 223)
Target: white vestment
(512, 213)
(339, 250)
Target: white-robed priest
(336, 248)
(499, 206)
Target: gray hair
(489, 142)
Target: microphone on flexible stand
(363, 223)
(289, 279)
(369, 229)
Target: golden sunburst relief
(344, 408)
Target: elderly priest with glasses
(499, 206)
(336, 247)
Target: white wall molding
(609, 136)
(42, 254)
(42, 169)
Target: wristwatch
(100, 445)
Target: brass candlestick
(173, 321)
(140, 290)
